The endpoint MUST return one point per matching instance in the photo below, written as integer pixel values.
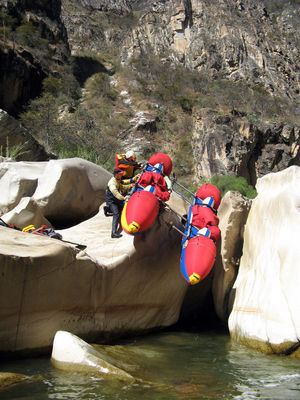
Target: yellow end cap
(194, 278)
(133, 227)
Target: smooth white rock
(267, 302)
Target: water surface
(173, 365)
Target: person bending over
(115, 197)
(127, 163)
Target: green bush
(28, 35)
(232, 183)
(8, 24)
(14, 151)
(186, 104)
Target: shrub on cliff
(238, 184)
(28, 35)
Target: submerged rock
(116, 365)
(71, 353)
(11, 378)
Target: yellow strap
(28, 228)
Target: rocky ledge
(115, 287)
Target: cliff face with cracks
(229, 143)
(238, 40)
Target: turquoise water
(173, 365)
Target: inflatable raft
(142, 206)
(200, 235)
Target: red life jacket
(156, 180)
(204, 217)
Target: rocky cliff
(231, 99)
(239, 40)
(248, 43)
(33, 41)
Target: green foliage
(122, 22)
(7, 24)
(238, 184)
(28, 35)
(53, 85)
(279, 5)
(186, 103)
(63, 86)
(183, 163)
(99, 86)
(173, 86)
(99, 151)
(13, 152)
(41, 118)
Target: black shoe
(107, 211)
(116, 235)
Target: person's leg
(115, 221)
(109, 201)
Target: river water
(174, 365)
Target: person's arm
(131, 180)
(125, 185)
(123, 163)
(168, 183)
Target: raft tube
(197, 258)
(139, 212)
(198, 249)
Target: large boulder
(63, 191)
(266, 307)
(114, 287)
(17, 180)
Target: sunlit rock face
(234, 39)
(61, 191)
(230, 144)
(233, 213)
(266, 309)
(112, 288)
